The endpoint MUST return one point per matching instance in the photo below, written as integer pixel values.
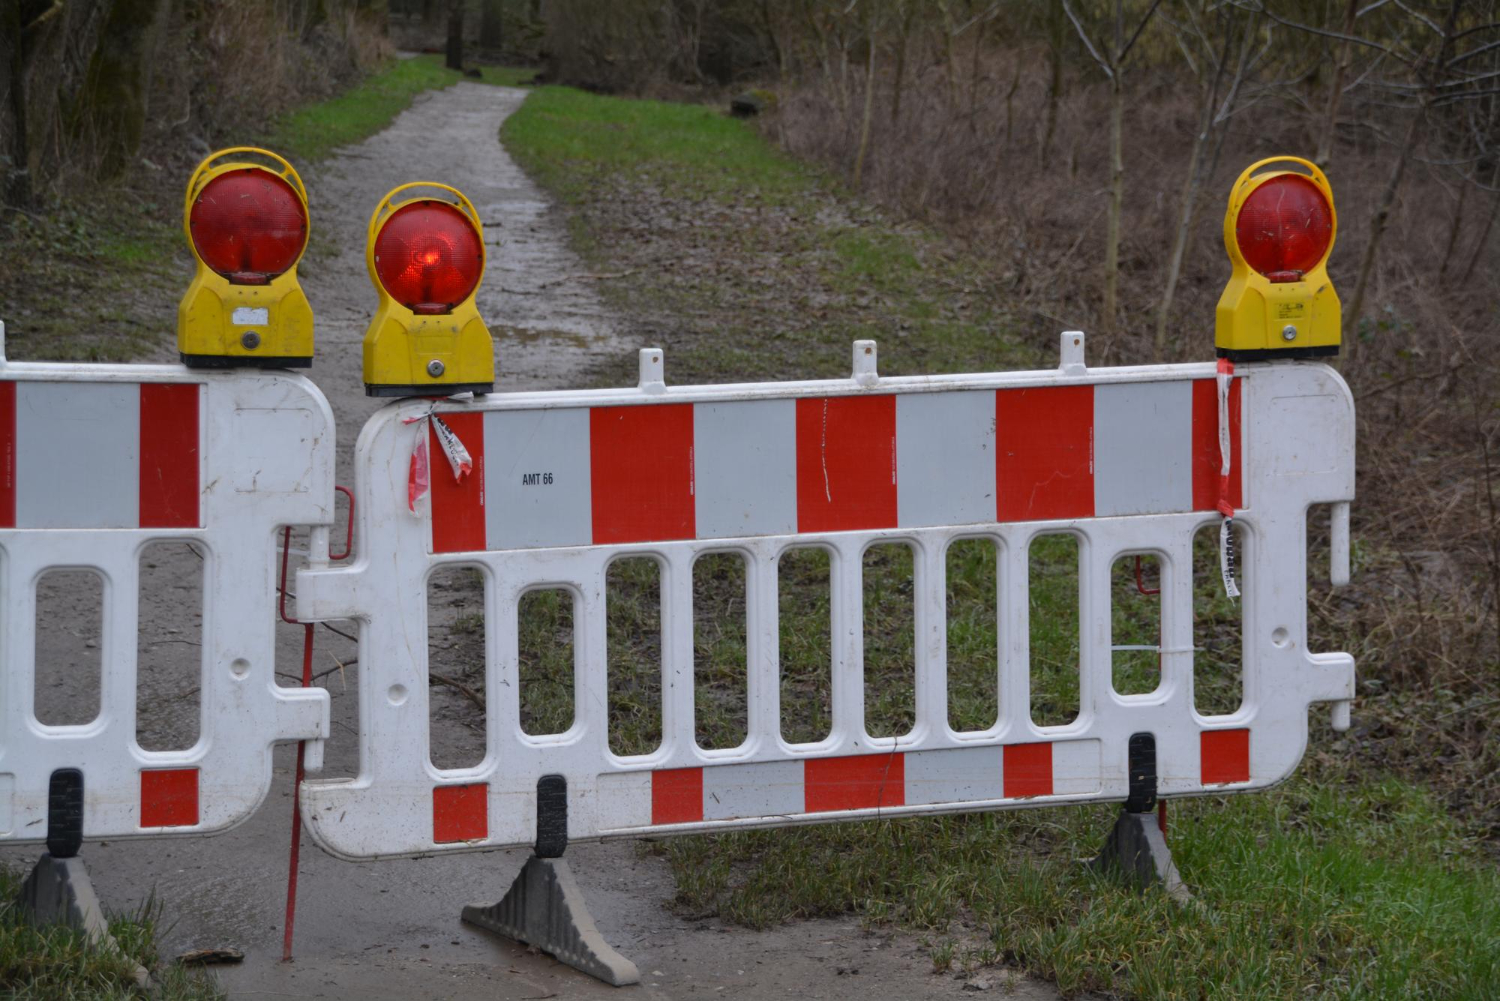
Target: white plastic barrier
(1125, 459)
(98, 462)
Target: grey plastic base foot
(58, 891)
(1137, 851)
(545, 908)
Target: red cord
(1140, 580)
(291, 876)
(286, 545)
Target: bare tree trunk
(1010, 96)
(454, 59)
(492, 25)
(1208, 117)
(1336, 92)
(950, 69)
(1377, 229)
(1054, 97)
(864, 127)
(1116, 201)
(974, 80)
(1484, 234)
(18, 189)
(113, 100)
(900, 81)
(1179, 240)
(1455, 227)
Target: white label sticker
(1227, 557)
(250, 316)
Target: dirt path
(391, 929)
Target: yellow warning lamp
(245, 216)
(1279, 231)
(426, 256)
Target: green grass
(314, 130)
(568, 139)
(1321, 888)
(43, 963)
(91, 279)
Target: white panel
(745, 468)
(1143, 448)
(956, 775)
(770, 789)
(624, 800)
(1075, 767)
(271, 450)
(1298, 419)
(78, 458)
(537, 486)
(945, 458)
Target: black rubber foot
(437, 389)
(244, 361)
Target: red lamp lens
(248, 225)
(428, 256)
(1284, 227)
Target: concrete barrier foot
(545, 908)
(1137, 851)
(58, 891)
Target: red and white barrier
(99, 461)
(1126, 460)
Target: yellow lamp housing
(426, 257)
(246, 221)
(1279, 232)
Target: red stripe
(1206, 459)
(460, 813)
(169, 455)
(846, 463)
(457, 505)
(1225, 755)
(169, 797)
(677, 796)
(641, 464)
(1026, 771)
(862, 782)
(1044, 460)
(7, 455)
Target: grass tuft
(56, 962)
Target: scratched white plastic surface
(1298, 451)
(266, 453)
